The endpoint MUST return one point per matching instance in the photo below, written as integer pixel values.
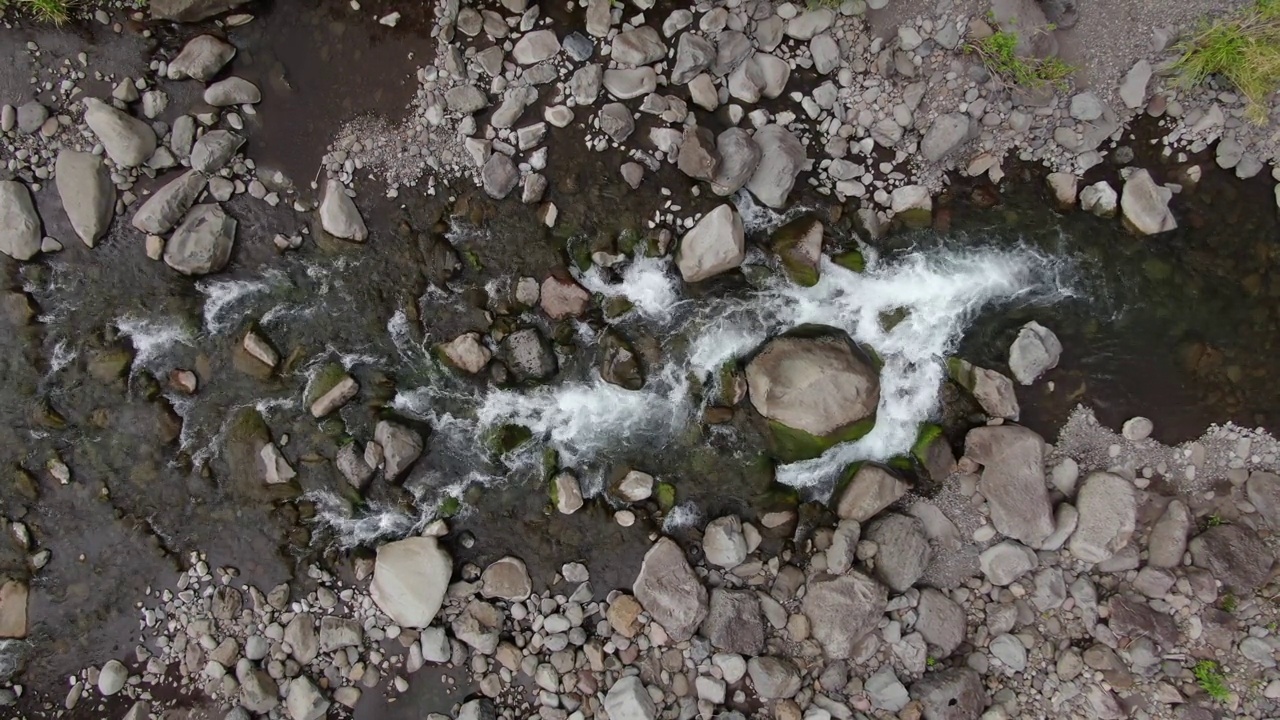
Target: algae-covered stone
(799, 245)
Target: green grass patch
(998, 52)
(1244, 48)
(56, 12)
(1210, 679)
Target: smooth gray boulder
(88, 197)
(166, 208)
(1107, 507)
(339, 216)
(1034, 352)
(1012, 460)
(127, 140)
(401, 447)
(536, 47)
(410, 578)
(214, 150)
(952, 694)
(628, 699)
(640, 46)
(202, 243)
(946, 135)
(841, 610)
(782, 157)
(716, 244)
(817, 385)
(739, 158)
(499, 176)
(191, 10)
(903, 550)
(669, 591)
(871, 489)
(232, 91)
(1146, 205)
(201, 58)
(19, 223)
(694, 54)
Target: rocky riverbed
(632, 361)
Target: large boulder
(1263, 491)
(401, 447)
(739, 158)
(191, 10)
(1035, 351)
(1005, 562)
(952, 694)
(994, 392)
(536, 47)
(782, 157)
(774, 677)
(202, 243)
(19, 223)
(940, 621)
(669, 591)
(903, 550)
(167, 206)
(816, 385)
(798, 245)
(410, 578)
(1146, 205)
(338, 214)
(214, 150)
(628, 699)
(872, 489)
(528, 355)
(127, 140)
(201, 58)
(638, 47)
(1168, 539)
(694, 54)
(715, 245)
(1235, 555)
(304, 700)
(1012, 460)
(945, 136)
(841, 610)
(88, 197)
(733, 623)
(1107, 509)
(507, 579)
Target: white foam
(152, 339)
(222, 295)
(684, 515)
(647, 283)
(379, 522)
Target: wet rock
(466, 352)
(191, 11)
(799, 245)
(994, 392)
(641, 46)
(276, 470)
(19, 223)
(913, 203)
(304, 701)
(698, 157)
(499, 176)
(1005, 562)
(1108, 513)
(1099, 199)
(715, 245)
(782, 157)
(127, 140)
(339, 216)
(946, 135)
(616, 121)
(214, 150)
(1035, 351)
(885, 692)
(903, 552)
(694, 54)
(872, 489)
(232, 91)
(201, 58)
(669, 591)
(410, 578)
(632, 83)
(340, 394)
(528, 355)
(1235, 555)
(1168, 540)
(13, 609)
(619, 362)
(816, 385)
(401, 447)
(350, 462)
(774, 677)
(628, 699)
(1087, 106)
(88, 197)
(1013, 480)
(567, 493)
(564, 298)
(260, 349)
(535, 47)
(202, 243)
(940, 621)
(953, 694)
(506, 579)
(734, 623)
(841, 610)
(1146, 205)
(809, 23)
(579, 47)
(739, 158)
(1063, 187)
(160, 213)
(723, 543)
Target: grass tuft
(999, 53)
(1211, 680)
(56, 12)
(1244, 48)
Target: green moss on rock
(852, 260)
(665, 495)
(328, 376)
(789, 444)
(505, 438)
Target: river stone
(641, 46)
(799, 245)
(401, 446)
(746, 83)
(30, 116)
(733, 623)
(775, 72)
(201, 58)
(715, 245)
(466, 352)
(335, 397)
(276, 469)
(669, 591)
(535, 47)
(809, 23)
(616, 121)
(585, 83)
(1146, 205)
(885, 692)
(304, 701)
(350, 462)
(1099, 199)
(1087, 106)
(1133, 89)
(1013, 480)
(694, 54)
(88, 197)
(628, 699)
(339, 216)
(945, 136)
(782, 158)
(1063, 187)
(1035, 351)
(188, 11)
(112, 677)
(703, 93)
(1235, 555)
(563, 298)
(774, 678)
(528, 355)
(506, 579)
(258, 692)
(232, 91)
(1010, 651)
(1131, 617)
(127, 140)
(466, 99)
(1263, 491)
(841, 610)
(13, 609)
(993, 391)
(630, 83)
(940, 621)
(1168, 540)
(19, 223)
(499, 176)
(1006, 562)
(739, 158)
(410, 578)
(300, 634)
(214, 150)
(567, 493)
(202, 243)
(817, 385)
(825, 53)
(163, 210)
(903, 552)
(723, 543)
(872, 489)
(698, 158)
(1108, 514)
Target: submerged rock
(19, 224)
(669, 590)
(88, 197)
(202, 243)
(816, 385)
(715, 245)
(619, 362)
(799, 245)
(410, 578)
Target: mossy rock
(110, 365)
(631, 239)
(44, 415)
(757, 276)
(916, 218)
(615, 307)
(505, 438)
(789, 244)
(665, 495)
(25, 484)
(579, 251)
(891, 319)
(448, 507)
(328, 376)
(550, 463)
(846, 477)
(790, 445)
(852, 260)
